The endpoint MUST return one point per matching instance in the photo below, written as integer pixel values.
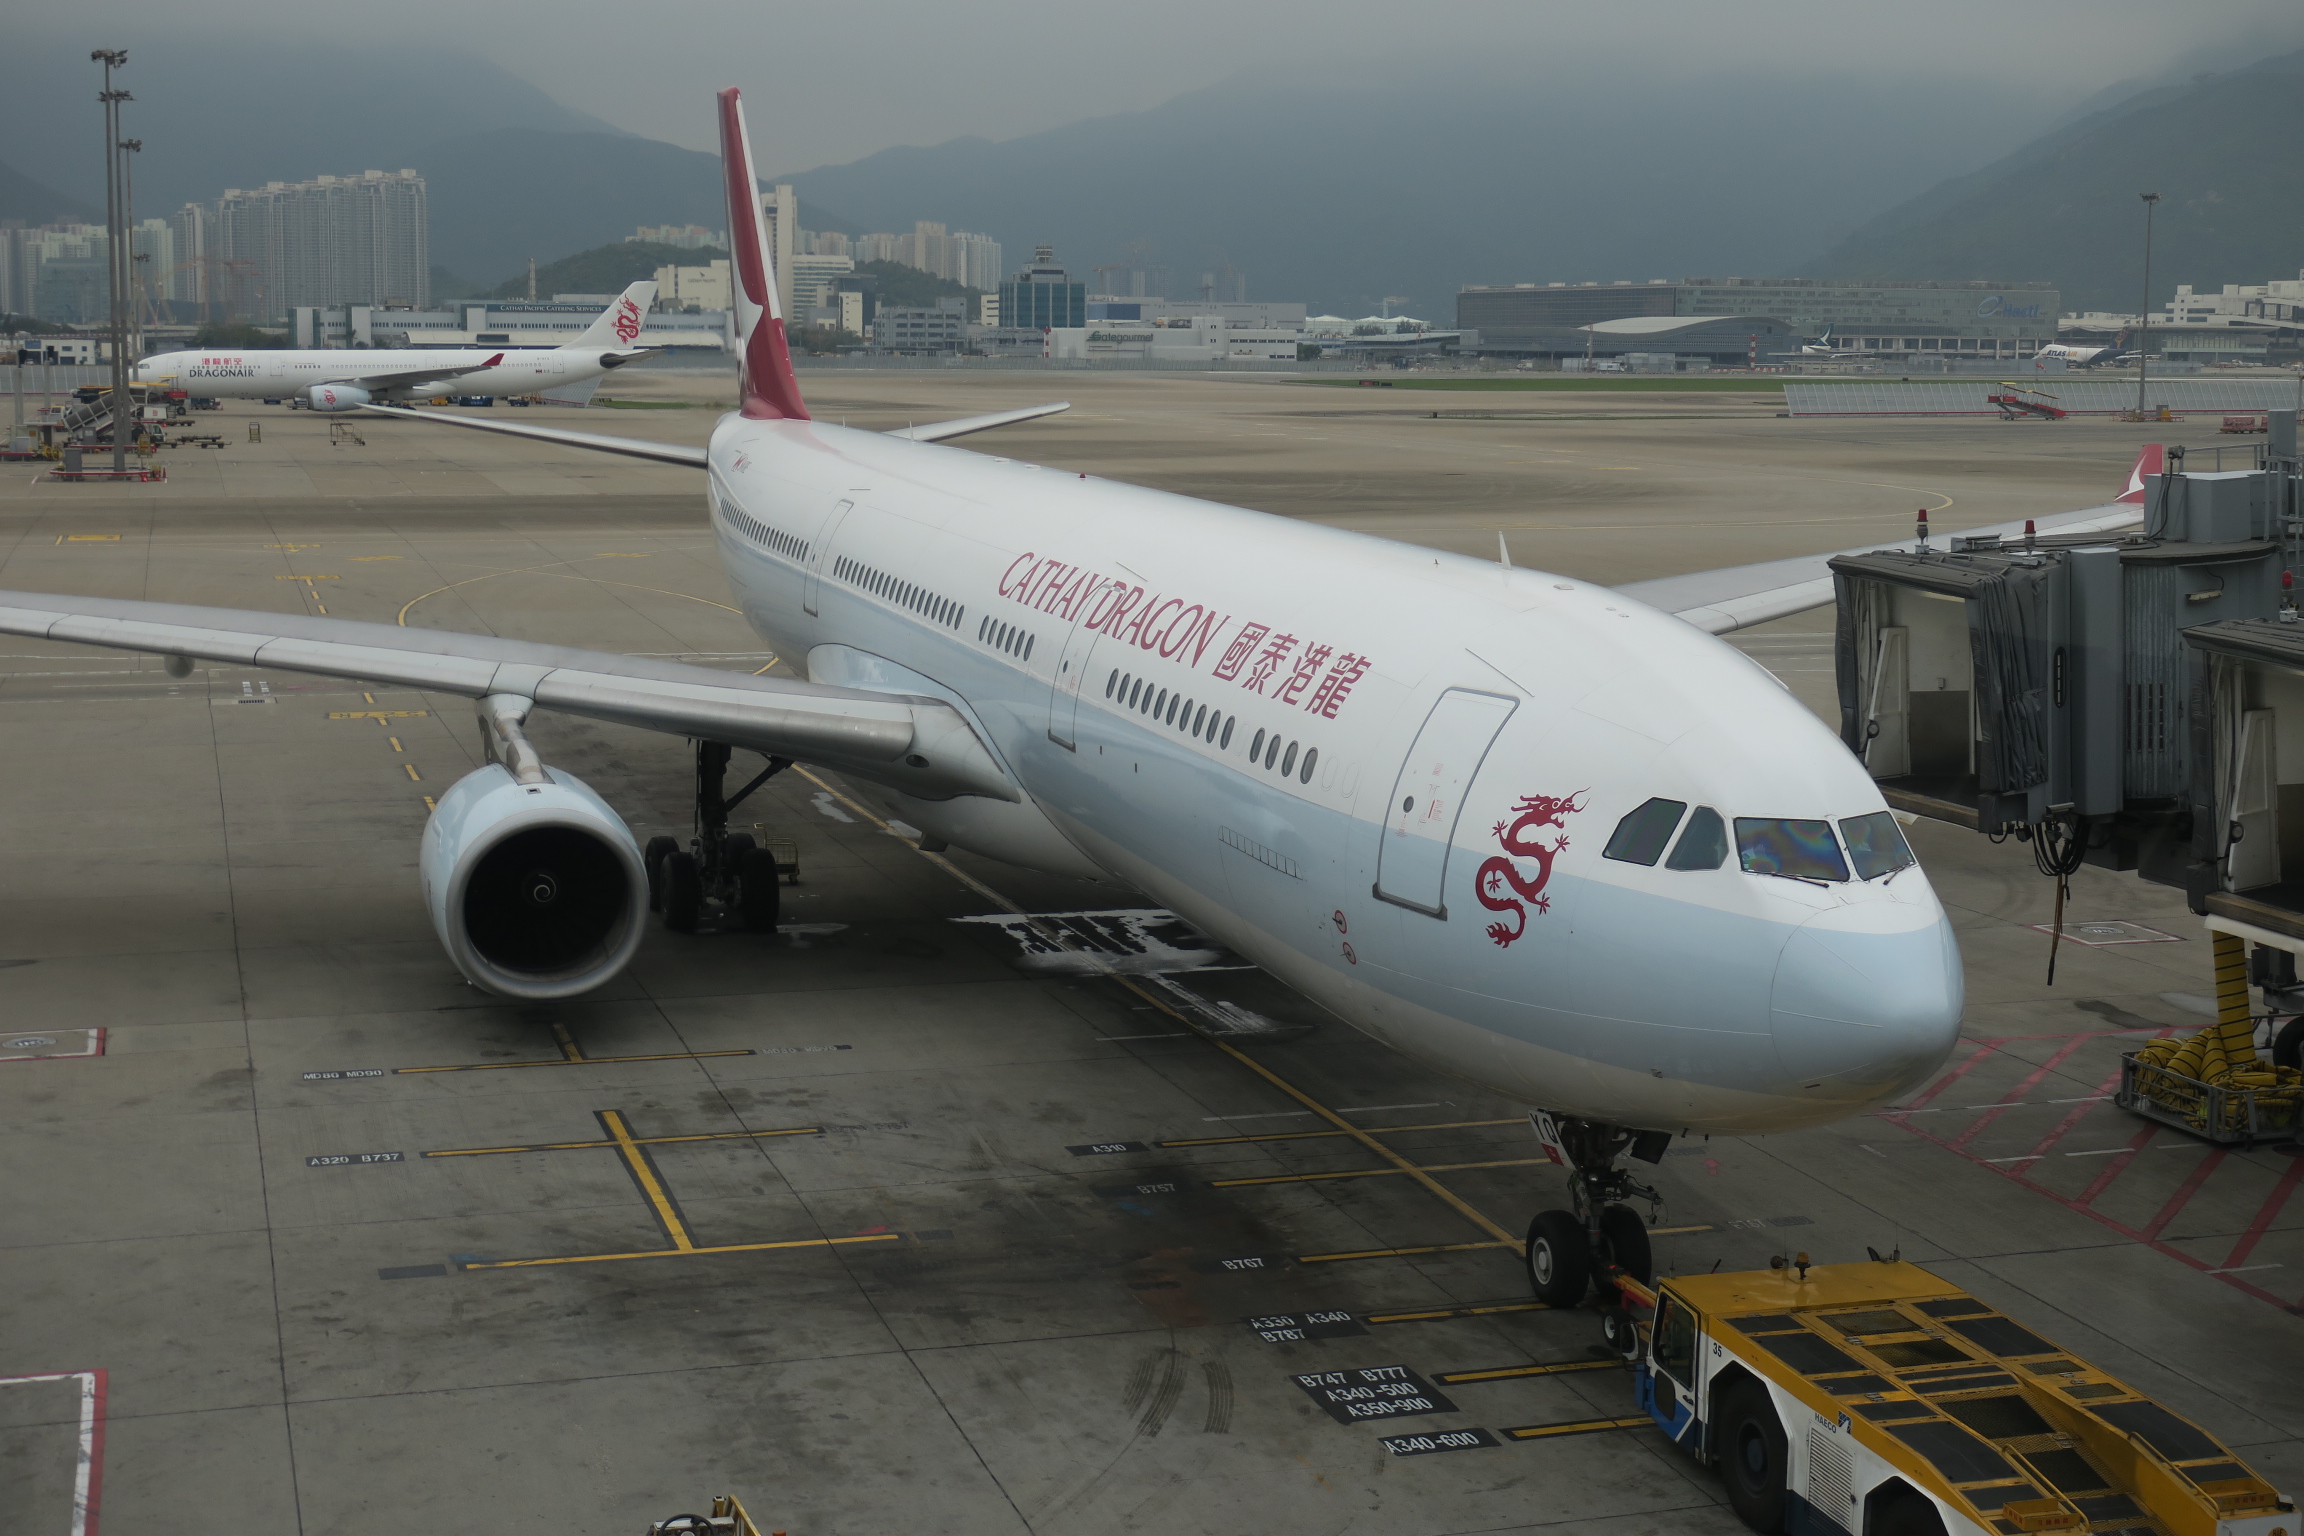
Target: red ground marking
(1984, 1121)
(2117, 1166)
(2265, 1214)
(2081, 1204)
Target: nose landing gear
(717, 865)
(1568, 1250)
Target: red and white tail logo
(627, 319)
(770, 391)
(2152, 460)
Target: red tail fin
(771, 393)
(2152, 460)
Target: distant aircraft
(2087, 357)
(1822, 347)
(1554, 839)
(339, 380)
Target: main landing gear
(718, 865)
(1570, 1250)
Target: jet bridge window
(1704, 845)
(1804, 850)
(1641, 836)
(1876, 845)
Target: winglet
(2152, 460)
(619, 324)
(492, 362)
(770, 391)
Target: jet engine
(535, 886)
(337, 397)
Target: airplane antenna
(1503, 550)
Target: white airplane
(2087, 357)
(341, 380)
(1554, 839)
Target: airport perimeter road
(891, 1221)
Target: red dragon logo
(1499, 878)
(627, 320)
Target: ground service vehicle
(1878, 1400)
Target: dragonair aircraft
(1553, 838)
(341, 380)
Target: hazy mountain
(26, 201)
(606, 268)
(238, 111)
(1340, 192)
(2064, 208)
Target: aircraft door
(1428, 797)
(1071, 673)
(813, 581)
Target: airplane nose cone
(1867, 1000)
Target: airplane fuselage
(265, 375)
(1384, 773)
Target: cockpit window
(1704, 845)
(1805, 850)
(1641, 836)
(1876, 845)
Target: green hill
(606, 268)
(909, 287)
(2064, 208)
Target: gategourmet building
(1976, 319)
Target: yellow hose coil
(2223, 1055)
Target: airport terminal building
(1974, 319)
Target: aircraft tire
(1559, 1259)
(658, 850)
(1752, 1454)
(683, 892)
(1627, 1239)
(759, 890)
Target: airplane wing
(921, 746)
(1737, 597)
(675, 453)
(414, 376)
(632, 447)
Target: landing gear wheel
(683, 892)
(1620, 1334)
(2288, 1045)
(1752, 1454)
(733, 848)
(1626, 1237)
(759, 891)
(1559, 1259)
(658, 850)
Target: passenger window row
(792, 549)
(1005, 637)
(1193, 718)
(904, 594)
(1797, 848)
(1269, 751)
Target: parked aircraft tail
(619, 325)
(770, 392)
(2150, 460)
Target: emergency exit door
(1428, 798)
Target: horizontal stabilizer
(667, 453)
(942, 431)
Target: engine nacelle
(337, 397)
(536, 890)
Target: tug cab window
(1802, 849)
(1704, 845)
(1674, 1349)
(1641, 836)
(1876, 845)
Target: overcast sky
(828, 83)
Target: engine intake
(535, 888)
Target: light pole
(2144, 320)
(115, 238)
